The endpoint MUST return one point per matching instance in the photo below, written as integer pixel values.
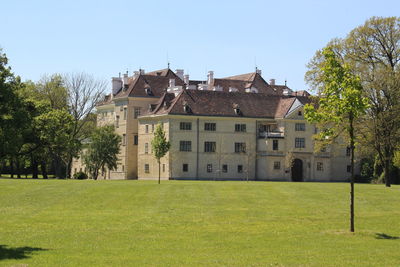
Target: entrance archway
(297, 170)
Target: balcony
(271, 134)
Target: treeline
(43, 124)
(372, 53)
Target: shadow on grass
(17, 253)
(385, 236)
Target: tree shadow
(17, 253)
(385, 236)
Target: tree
(340, 104)
(160, 146)
(84, 92)
(102, 150)
(373, 53)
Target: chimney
(116, 85)
(135, 74)
(272, 82)
(141, 72)
(258, 71)
(186, 79)
(179, 73)
(171, 83)
(210, 77)
(125, 79)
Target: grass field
(183, 223)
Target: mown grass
(183, 223)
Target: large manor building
(234, 128)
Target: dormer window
(186, 108)
(237, 110)
(299, 113)
(148, 91)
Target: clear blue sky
(106, 37)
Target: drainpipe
(256, 152)
(197, 148)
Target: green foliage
(197, 223)
(80, 176)
(160, 145)
(102, 151)
(340, 96)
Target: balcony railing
(271, 134)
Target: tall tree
(373, 52)
(160, 146)
(340, 104)
(84, 92)
(102, 151)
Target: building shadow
(385, 236)
(7, 253)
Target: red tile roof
(214, 103)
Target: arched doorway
(297, 170)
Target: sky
(104, 38)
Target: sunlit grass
(134, 223)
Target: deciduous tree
(340, 104)
(160, 146)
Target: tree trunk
(159, 171)
(387, 172)
(11, 168)
(18, 167)
(44, 169)
(34, 167)
(351, 134)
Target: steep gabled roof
(243, 82)
(150, 84)
(214, 103)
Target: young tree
(373, 52)
(340, 104)
(102, 150)
(160, 146)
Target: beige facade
(217, 133)
(261, 160)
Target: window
(275, 144)
(136, 113)
(208, 126)
(146, 148)
(117, 121)
(240, 168)
(299, 113)
(185, 145)
(348, 151)
(185, 126)
(163, 168)
(152, 128)
(320, 166)
(185, 167)
(123, 168)
(124, 139)
(315, 130)
(209, 146)
(209, 167)
(299, 142)
(147, 128)
(277, 165)
(146, 168)
(121, 108)
(300, 127)
(240, 147)
(240, 127)
(135, 139)
(225, 168)
(125, 113)
(348, 168)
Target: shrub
(80, 176)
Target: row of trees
(42, 124)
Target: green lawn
(183, 223)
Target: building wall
(258, 163)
